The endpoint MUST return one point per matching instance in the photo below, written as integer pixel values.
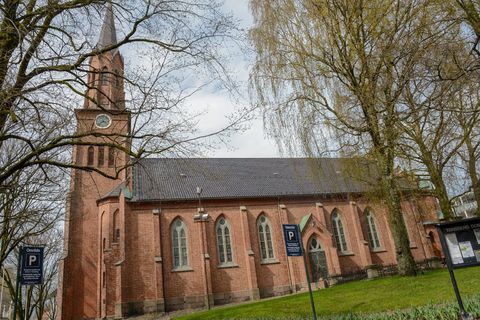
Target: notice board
(461, 241)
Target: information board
(31, 271)
(292, 237)
(461, 241)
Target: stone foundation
(137, 308)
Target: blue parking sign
(293, 240)
(31, 271)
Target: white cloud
(253, 141)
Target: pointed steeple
(108, 35)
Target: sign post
(29, 270)
(461, 243)
(294, 248)
(17, 285)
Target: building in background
(6, 304)
(465, 205)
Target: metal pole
(463, 314)
(308, 281)
(17, 291)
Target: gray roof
(108, 35)
(178, 179)
(115, 192)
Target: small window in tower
(104, 243)
(111, 156)
(101, 154)
(104, 280)
(117, 78)
(92, 77)
(90, 154)
(104, 76)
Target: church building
(173, 233)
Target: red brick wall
(139, 269)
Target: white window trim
(182, 266)
(372, 226)
(225, 263)
(268, 259)
(336, 217)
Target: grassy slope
(360, 296)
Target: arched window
(265, 238)
(224, 244)
(372, 231)
(104, 76)
(101, 155)
(339, 232)
(90, 154)
(179, 244)
(111, 156)
(116, 229)
(318, 260)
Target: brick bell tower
(104, 126)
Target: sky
(252, 142)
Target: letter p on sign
(291, 236)
(32, 260)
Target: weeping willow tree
(329, 75)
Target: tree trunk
(441, 193)
(405, 262)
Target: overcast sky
(253, 142)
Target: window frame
(223, 238)
(372, 230)
(340, 237)
(115, 227)
(101, 156)
(104, 74)
(90, 156)
(111, 157)
(262, 235)
(183, 265)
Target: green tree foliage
(342, 67)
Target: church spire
(108, 35)
(105, 79)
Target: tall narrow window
(117, 78)
(90, 154)
(111, 156)
(372, 231)
(224, 242)
(104, 76)
(179, 244)
(101, 155)
(265, 238)
(116, 229)
(339, 233)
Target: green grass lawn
(364, 296)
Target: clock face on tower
(103, 121)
